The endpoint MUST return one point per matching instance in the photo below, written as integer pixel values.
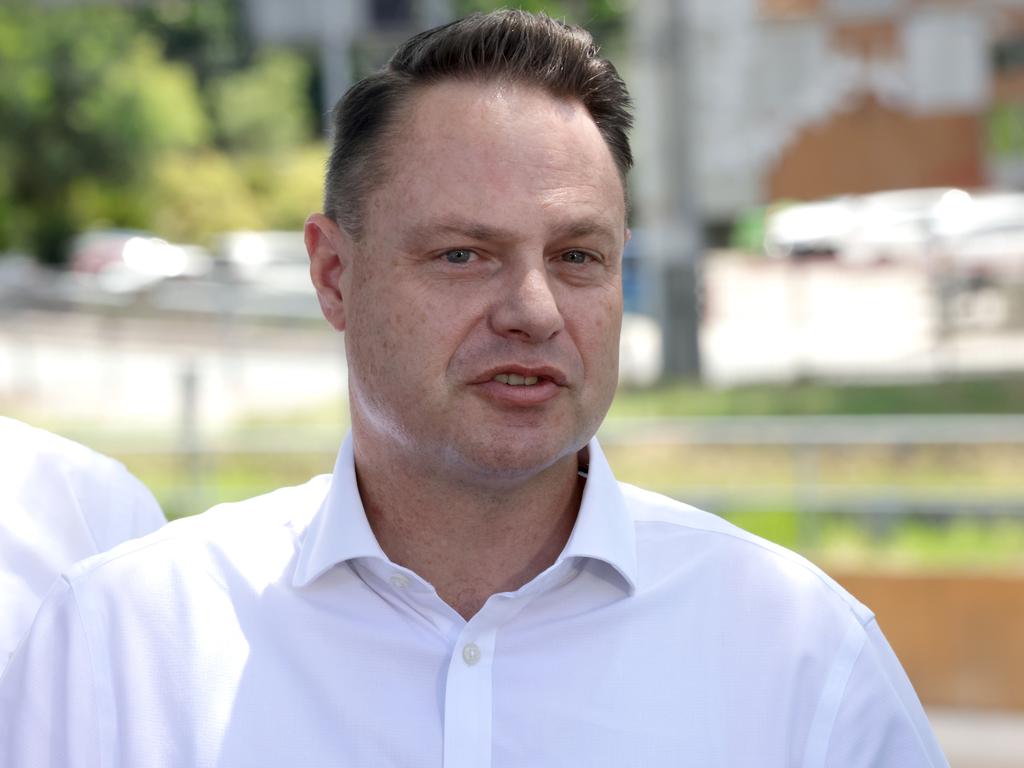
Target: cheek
(400, 328)
(598, 325)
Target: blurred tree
(208, 35)
(195, 195)
(86, 106)
(747, 233)
(263, 108)
(1006, 130)
(295, 187)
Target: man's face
(483, 305)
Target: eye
(458, 256)
(576, 257)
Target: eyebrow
(463, 228)
(475, 230)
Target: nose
(527, 310)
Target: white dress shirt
(275, 632)
(59, 502)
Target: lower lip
(533, 394)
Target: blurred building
(810, 98)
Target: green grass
(958, 543)
(991, 395)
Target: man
(471, 587)
(59, 502)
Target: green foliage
(263, 108)
(196, 195)
(156, 116)
(779, 525)
(905, 543)
(87, 105)
(108, 117)
(208, 35)
(293, 186)
(145, 102)
(1005, 124)
(748, 232)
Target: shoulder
(247, 538)
(677, 540)
(53, 478)
(34, 452)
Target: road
(778, 321)
(144, 371)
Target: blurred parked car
(990, 242)
(810, 230)
(272, 260)
(124, 261)
(973, 232)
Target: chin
(509, 461)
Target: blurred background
(824, 337)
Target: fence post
(190, 444)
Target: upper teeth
(515, 379)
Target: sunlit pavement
(973, 739)
(773, 321)
(149, 371)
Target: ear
(330, 251)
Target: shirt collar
(604, 527)
(340, 531)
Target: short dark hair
(506, 46)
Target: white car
(972, 231)
(126, 261)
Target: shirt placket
(469, 691)
(468, 700)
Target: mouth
(518, 386)
(523, 376)
(515, 380)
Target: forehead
(493, 151)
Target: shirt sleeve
(880, 722)
(118, 506)
(48, 702)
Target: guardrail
(806, 450)
(808, 439)
(807, 431)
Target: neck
(469, 541)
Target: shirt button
(399, 580)
(471, 653)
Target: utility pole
(342, 21)
(665, 198)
